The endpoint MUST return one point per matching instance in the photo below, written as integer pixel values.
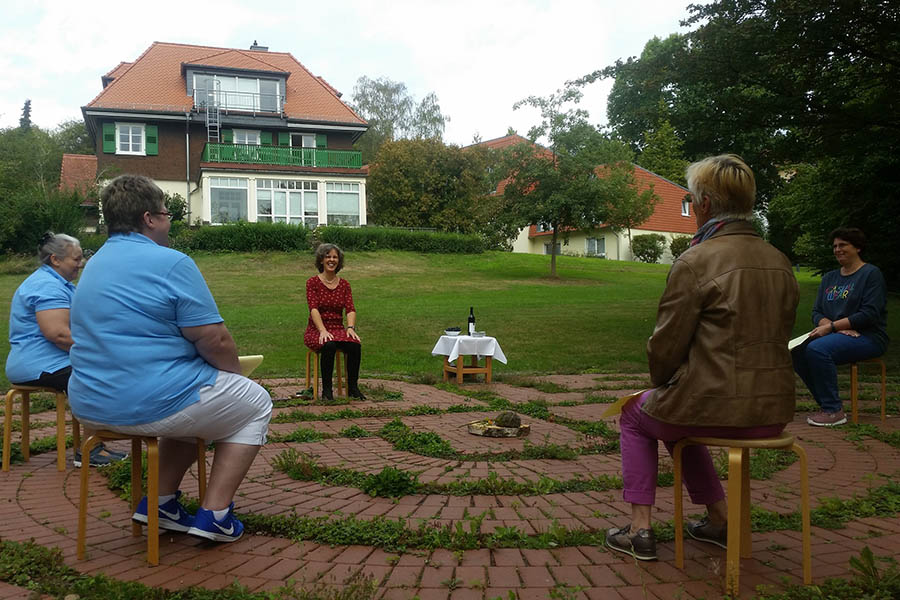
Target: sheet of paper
(797, 341)
(616, 407)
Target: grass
(601, 311)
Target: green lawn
(596, 317)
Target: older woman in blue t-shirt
(39, 333)
(850, 318)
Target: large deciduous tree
(392, 114)
(426, 183)
(794, 86)
(561, 186)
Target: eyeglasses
(166, 214)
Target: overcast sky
(479, 57)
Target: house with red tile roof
(246, 135)
(78, 173)
(671, 217)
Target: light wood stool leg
(735, 497)
(315, 376)
(489, 364)
(26, 425)
(152, 500)
(746, 530)
(7, 427)
(60, 431)
(446, 369)
(804, 512)
(89, 444)
(460, 365)
(679, 506)
(854, 393)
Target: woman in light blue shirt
(39, 334)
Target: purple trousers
(639, 437)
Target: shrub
(648, 248)
(387, 238)
(28, 213)
(678, 245)
(241, 237)
(176, 205)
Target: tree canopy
(392, 114)
(797, 87)
(559, 187)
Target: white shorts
(234, 409)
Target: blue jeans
(816, 364)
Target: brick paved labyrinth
(478, 517)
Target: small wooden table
(456, 348)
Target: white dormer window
(246, 136)
(130, 138)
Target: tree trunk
(553, 254)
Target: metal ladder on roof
(212, 119)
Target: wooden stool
(854, 388)
(739, 543)
(314, 358)
(24, 392)
(136, 472)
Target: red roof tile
(155, 82)
(78, 172)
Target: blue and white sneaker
(172, 515)
(229, 529)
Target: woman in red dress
(328, 297)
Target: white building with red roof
(671, 217)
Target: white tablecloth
(454, 346)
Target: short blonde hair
(728, 183)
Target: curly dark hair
(322, 251)
(854, 235)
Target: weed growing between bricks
(43, 571)
(393, 483)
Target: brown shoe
(704, 531)
(641, 545)
(827, 419)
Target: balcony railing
(281, 155)
(228, 101)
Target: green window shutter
(321, 141)
(284, 138)
(228, 136)
(265, 138)
(109, 138)
(152, 136)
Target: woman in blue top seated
(850, 319)
(39, 334)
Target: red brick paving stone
(404, 577)
(601, 575)
(398, 594)
(538, 558)
(436, 577)
(569, 575)
(505, 557)
(500, 592)
(466, 594)
(378, 573)
(471, 577)
(283, 569)
(339, 574)
(254, 566)
(500, 576)
(432, 594)
(353, 555)
(536, 577)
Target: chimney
(256, 46)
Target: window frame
(357, 191)
(214, 183)
(686, 205)
(143, 128)
(256, 132)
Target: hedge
(387, 238)
(241, 237)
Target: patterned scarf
(709, 228)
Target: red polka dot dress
(331, 305)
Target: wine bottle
(471, 321)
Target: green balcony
(281, 155)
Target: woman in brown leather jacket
(718, 356)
